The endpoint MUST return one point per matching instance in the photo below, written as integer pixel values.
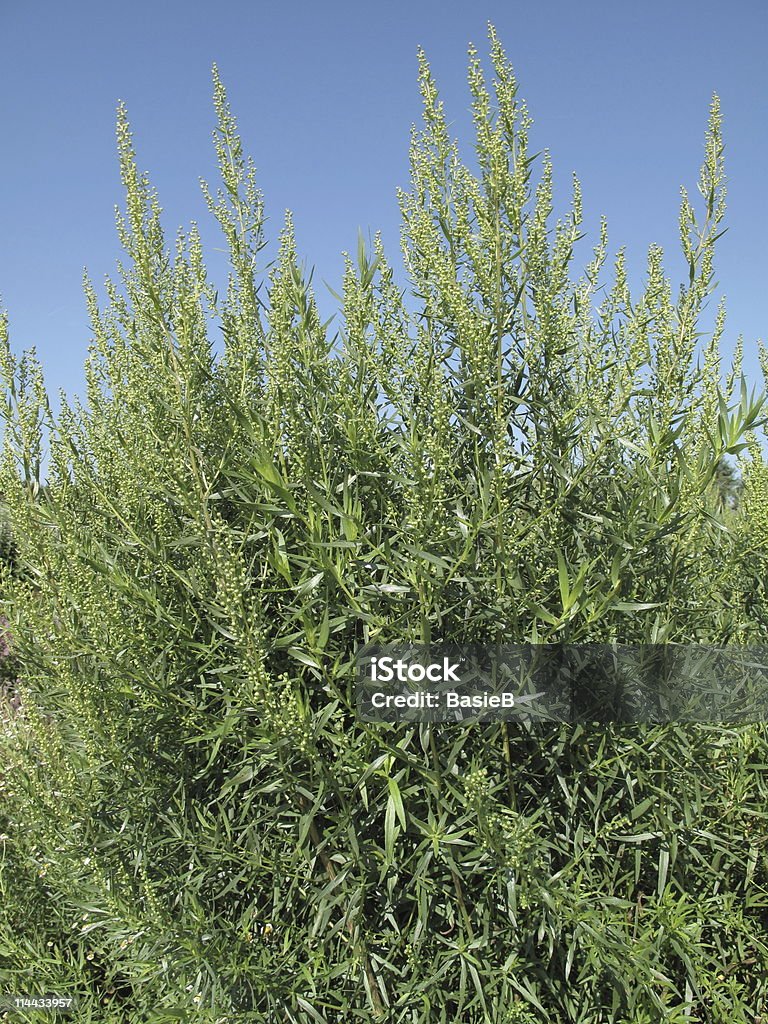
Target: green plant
(194, 822)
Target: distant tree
(729, 485)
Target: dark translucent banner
(652, 683)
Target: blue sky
(325, 95)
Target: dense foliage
(194, 825)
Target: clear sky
(325, 95)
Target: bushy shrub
(194, 823)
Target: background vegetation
(193, 824)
